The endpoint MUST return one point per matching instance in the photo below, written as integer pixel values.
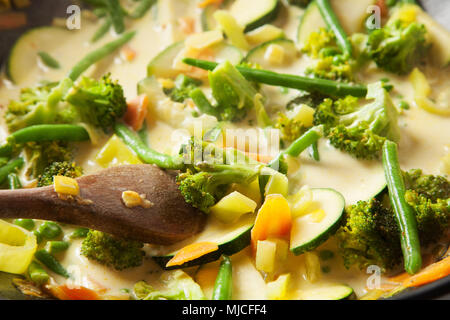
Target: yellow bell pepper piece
(115, 153)
(17, 248)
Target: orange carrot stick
(191, 252)
(136, 111)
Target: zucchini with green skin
(231, 238)
(253, 14)
(306, 233)
(23, 55)
(258, 53)
(332, 292)
(161, 66)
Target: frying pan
(41, 12)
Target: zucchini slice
(258, 54)
(333, 292)
(207, 19)
(231, 238)
(254, 13)
(24, 54)
(161, 66)
(307, 234)
(351, 14)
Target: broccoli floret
(290, 128)
(33, 107)
(182, 88)
(329, 62)
(233, 93)
(363, 131)
(369, 236)
(398, 47)
(430, 186)
(98, 103)
(432, 217)
(65, 168)
(113, 252)
(204, 188)
(40, 155)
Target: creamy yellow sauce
(425, 141)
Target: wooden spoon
(168, 220)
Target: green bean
(142, 8)
(335, 26)
(314, 151)
(50, 262)
(116, 15)
(102, 30)
(56, 246)
(202, 102)
(99, 54)
(37, 273)
(10, 167)
(324, 86)
(50, 230)
(48, 60)
(224, 285)
(143, 133)
(50, 132)
(300, 144)
(147, 154)
(27, 224)
(79, 233)
(14, 181)
(404, 214)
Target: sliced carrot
(136, 112)
(206, 3)
(273, 220)
(65, 292)
(12, 20)
(191, 252)
(431, 273)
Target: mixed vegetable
(328, 91)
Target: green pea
(37, 273)
(50, 230)
(25, 223)
(38, 236)
(56, 246)
(79, 233)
